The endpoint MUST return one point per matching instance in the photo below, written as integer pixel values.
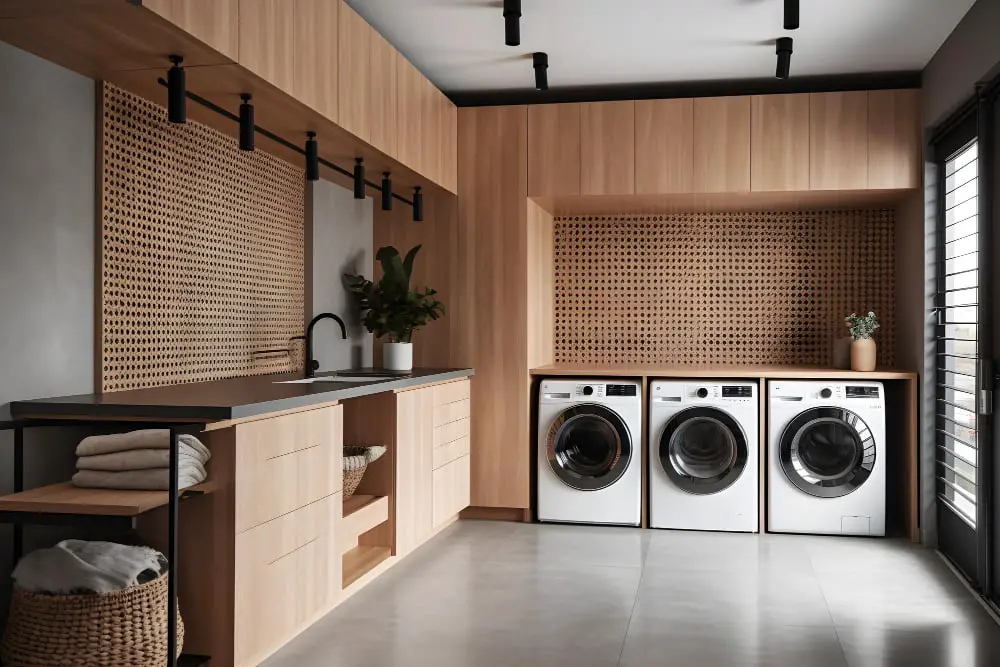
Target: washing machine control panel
(696, 393)
(602, 390)
(822, 393)
(861, 392)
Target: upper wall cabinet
(607, 148)
(554, 149)
(664, 146)
(382, 94)
(268, 41)
(448, 147)
(316, 55)
(409, 115)
(215, 22)
(894, 139)
(779, 143)
(722, 144)
(838, 141)
(354, 73)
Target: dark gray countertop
(223, 399)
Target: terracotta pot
(863, 354)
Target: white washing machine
(589, 441)
(826, 457)
(704, 455)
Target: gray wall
(47, 230)
(341, 243)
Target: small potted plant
(390, 309)
(863, 345)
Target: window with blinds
(957, 336)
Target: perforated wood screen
(727, 288)
(202, 259)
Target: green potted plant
(862, 344)
(390, 309)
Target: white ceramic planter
(397, 356)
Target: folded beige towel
(156, 479)
(141, 459)
(151, 438)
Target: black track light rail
(211, 106)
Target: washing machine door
(589, 447)
(827, 452)
(703, 450)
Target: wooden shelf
(360, 560)
(358, 502)
(65, 498)
(361, 514)
(770, 372)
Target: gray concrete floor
(487, 594)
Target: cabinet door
(409, 116)
(553, 149)
(267, 41)
(838, 141)
(354, 72)
(430, 99)
(607, 148)
(895, 152)
(215, 22)
(382, 94)
(779, 143)
(414, 461)
(449, 146)
(722, 144)
(316, 55)
(664, 146)
(451, 490)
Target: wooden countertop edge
(770, 372)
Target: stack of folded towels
(139, 460)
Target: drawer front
(453, 450)
(287, 462)
(287, 572)
(451, 412)
(451, 392)
(451, 490)
(451, 432)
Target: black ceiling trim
(655, 91)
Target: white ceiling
(459, 44)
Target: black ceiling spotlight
(312, 157)
(418, 205)
(541, 65)
(359, 178)
(246, 123)
(386, 192)
(512, 19)
(784, 51)
(176, 91)
(791, 14)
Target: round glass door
(703, 450)
(827, 452)
(589, 447)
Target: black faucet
(311, 364)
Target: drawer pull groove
(298, 548)
(294, 451)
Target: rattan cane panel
(727, 288)
(202, 251)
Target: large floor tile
(975, 644)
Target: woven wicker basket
(356, 460)
(125, 628)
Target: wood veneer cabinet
(838, 141)
(554, 149)
(779, 143)
(894, 139)
(722, 144)
(316, 54)
(268, 41)
(414, 467)
(354, 73)
(215, 22)
(664, 146)
(607, 148)
(382, 95)
(409, 115)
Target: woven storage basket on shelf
(356, 460)
(121, 629)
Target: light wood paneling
(664, 146)
(449, 452)
(414, 434)
(432, 116)
(268, 41)
(286, 573)
(285, 463)
(774, 372)
(382, 95)
(316, 55)
(838, 140)
(354, 73)
(215, 22)
(607, 148)
(541, 274)
(451, 490)
(895, 155)
(493, 216)
(779, 143)
(554, 149)
(722, 144)
(409, 115)
(449, 145)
